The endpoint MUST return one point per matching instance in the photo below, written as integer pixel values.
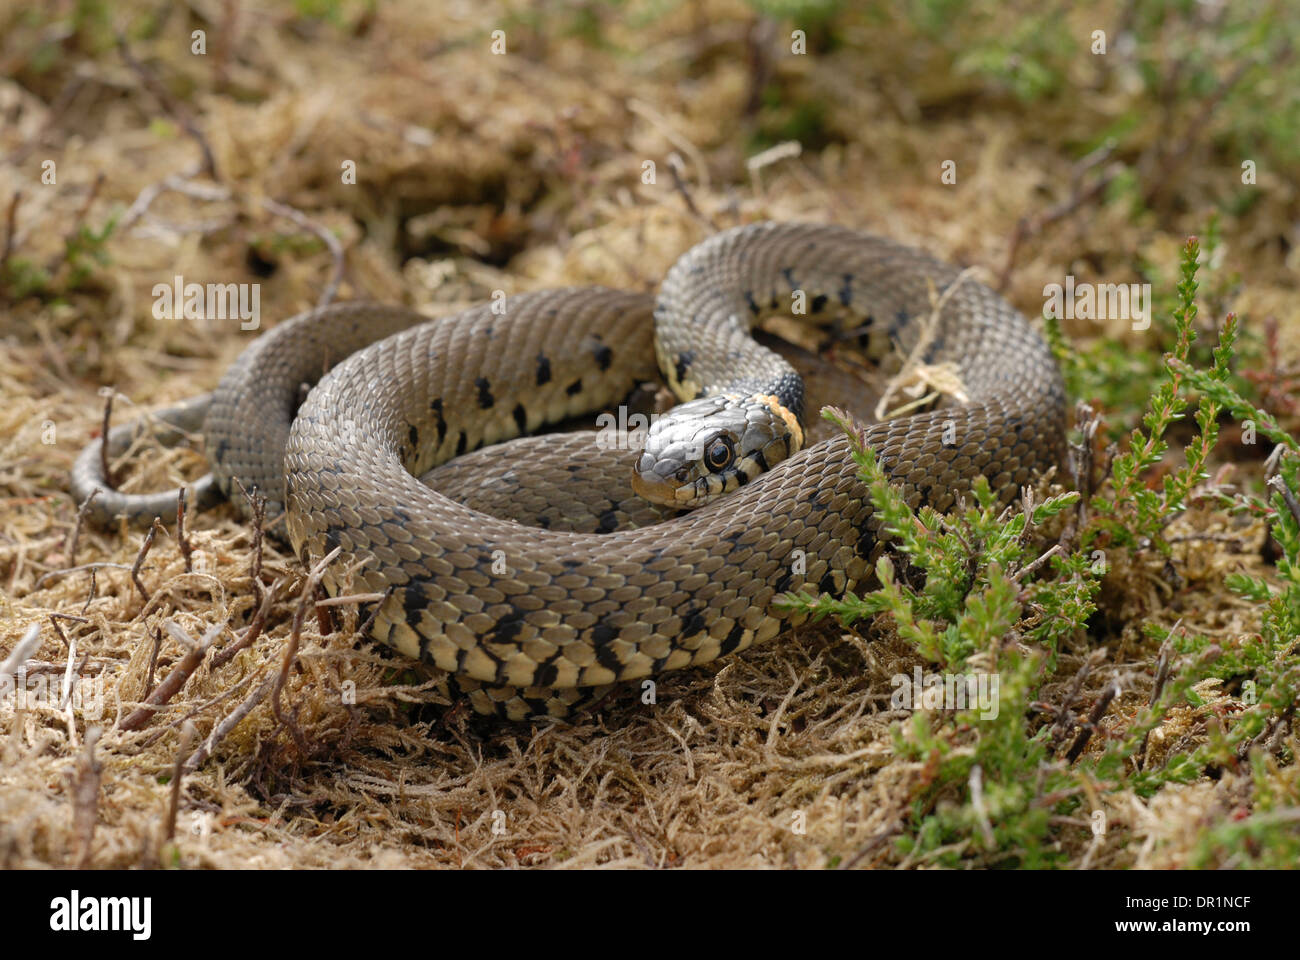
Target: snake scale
(529, 619)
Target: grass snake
(528, 619)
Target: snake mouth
(681, 494)
(663, 491)
(682, 490)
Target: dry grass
(475, 173)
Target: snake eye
(719, 454)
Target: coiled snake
(527, 618)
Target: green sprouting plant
(1130, 513)
(1002, 761)
(1266, 664)
(329, 11)
(1030, 58)
(84, 252)
(1241, 56)
(973, 562)
(991, 785)
(1267, 837)
(1116, 375)
(277, 244)
(1252, 658)
(978, 592)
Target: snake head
(710, 446)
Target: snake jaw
(706, 448)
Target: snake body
(529, 619)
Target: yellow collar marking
(796, 432)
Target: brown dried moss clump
(476, 172)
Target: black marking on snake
(682, 363)
(545, 675)
(819, 303)
(754, 308)
(864, 546)
(436, 409)
(788, 273)
(521, 418)
(783, 582)
(935, 348)
(827, 584)
(462, 443)
(506, 628)
(574, 388)
(485, 398)
(332, 538)
(608, 522)
(413, 437)
(899, 322)
(414, 602)
(761, 459)
(543, 370)
(601, 635)
(222, 447)
(846, 291)
(603, 354)
(693, 622)
(732, 640)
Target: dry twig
(178, 772)
(1027, 227)
(1098, 711)
(327, 237)
(1162, 675)
(74, 538)
(85, 800)
(145, 547)
(172, 107)
(180, 673)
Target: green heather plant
(997, 788)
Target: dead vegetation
(243, 725)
